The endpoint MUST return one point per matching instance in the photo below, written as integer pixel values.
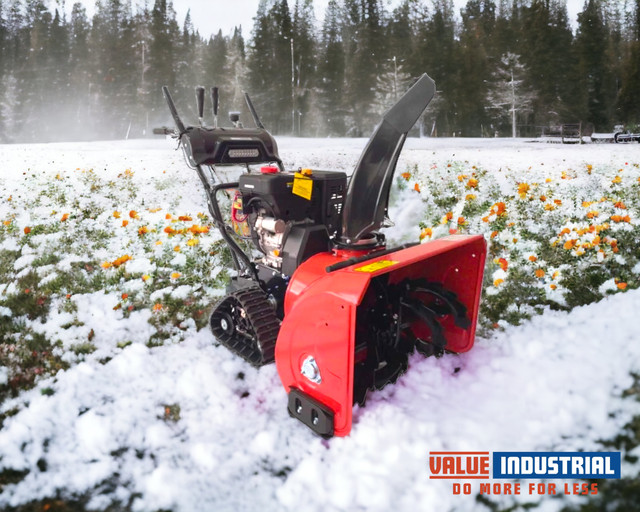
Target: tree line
(502, 67)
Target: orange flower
(523, 188)
(494, 234)
(116, 214)
(569, 244)
(620, 204)
(617, 179)
(461, 221)
(145, 277)
(125, 223)
(106, 264)
(470, 197)
(589, 168)
(557, 201)
(169, 230)
(426, 232)
(499, 209)
(472, 183)
(462, 177)
(185, 218)
(121, 260)
(27, 230)
(549, 207)
(175, 275)
(498, 282)
(154, 210)
(592, 214)
(7, 222)
(533, 258)
(177, 248)
(406, 175)
(168, 216)
(449, 215)
(553, 286)
(157, 307)
(540, 273)
(65, 216)
(621, 286)
(125, 296)
(416, 187)
(133, 214)
(143, 230)
(543, 198)
(504, 264)
(453, 231)
(616, 218)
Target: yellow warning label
(302, 186)
(373, 267)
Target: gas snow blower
(337, 310)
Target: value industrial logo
(479, 466)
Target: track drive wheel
(245, 322)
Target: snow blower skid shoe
(340, 312)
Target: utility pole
(513, 106)
(293, 93)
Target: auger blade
(449, 299)
(430, 318)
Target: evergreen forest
(502, 67)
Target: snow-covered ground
(187, 426)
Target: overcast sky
(210, 15)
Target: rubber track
(258, 349)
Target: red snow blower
(337, 310)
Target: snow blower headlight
(244, 153)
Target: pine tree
(591, 46)
(629, 99)
(304, 46)
(331, 72)
(269, 65)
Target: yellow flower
(426, 232)
(175, 275)
(192, 241)
(470, 197)
(146, 277)
(106, 264)
(523, 188)
(498, 282)
(617, 179)
(116, 214)
(177, 248)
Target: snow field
(188, 426)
